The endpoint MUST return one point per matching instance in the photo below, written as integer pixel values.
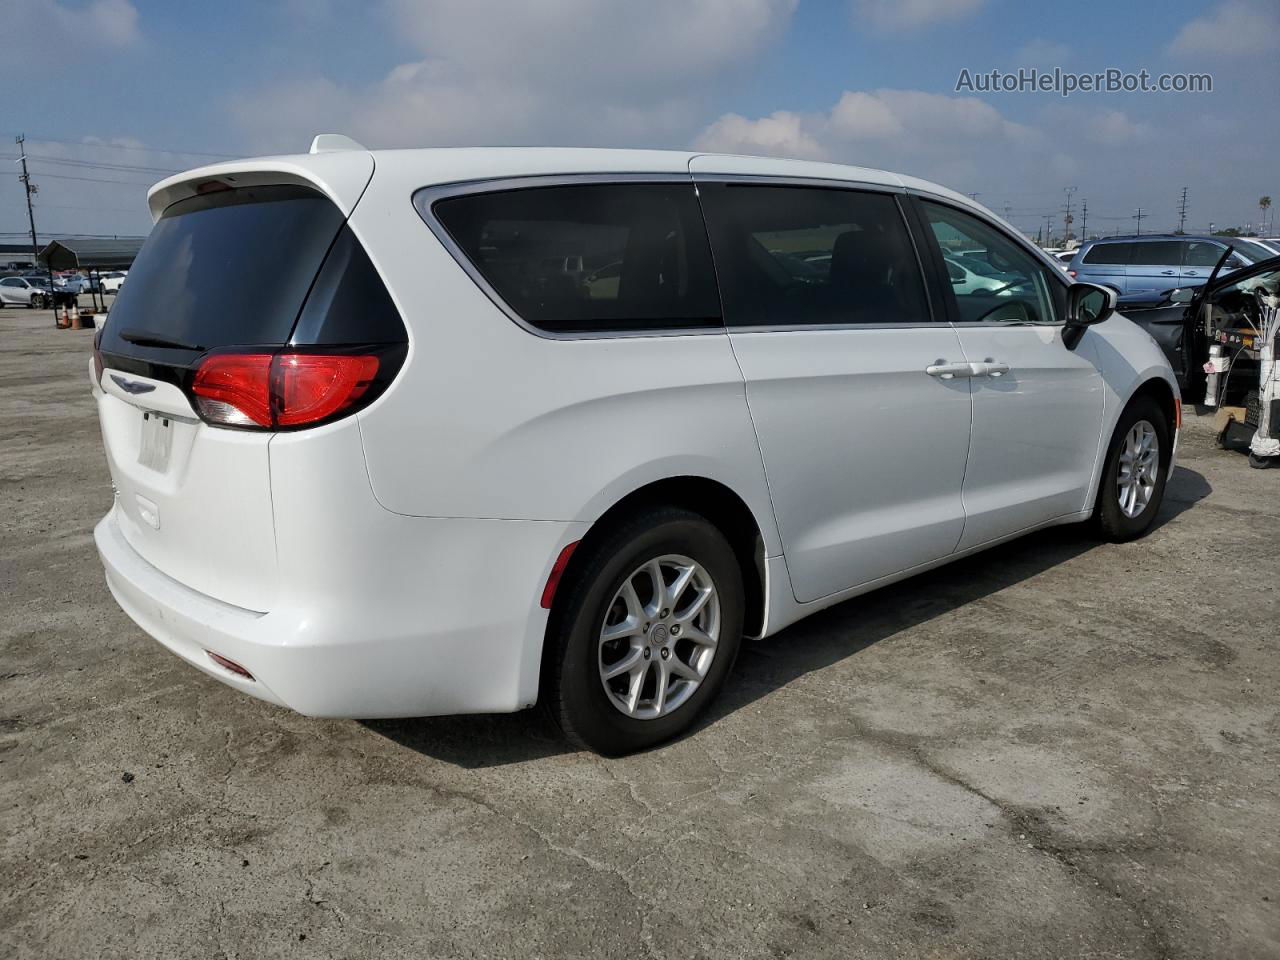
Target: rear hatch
(248, 311)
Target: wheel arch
(722, 506)
(1160, 390)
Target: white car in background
(376, 452)
(112, 282)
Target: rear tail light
(266, 391)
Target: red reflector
(282, 390)
(557, 571)
(1071, 274)
(231, 665)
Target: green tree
(1263, 204)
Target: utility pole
(974, 197)
(1084, 219)
(1138, 216)
(1066, 217)
(30, 188)
(1182, 211)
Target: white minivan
(414, 432)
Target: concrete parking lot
(1055, 749)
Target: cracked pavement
(1055, 749)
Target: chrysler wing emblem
(132, 386)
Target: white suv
(497, 426)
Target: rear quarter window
(589, 258)
(1112, 253)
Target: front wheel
(645, 632)
(1136, 471)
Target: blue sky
(114, 90)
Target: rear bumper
(466, 640)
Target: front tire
(1136, 472)
(644, 633)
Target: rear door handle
(1168, 273)
(989, 368)
(949, 371)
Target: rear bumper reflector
(557, 571)
(229, 665)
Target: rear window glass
(591, 257)
(1117, 253)
(805, 255)
(224, 269)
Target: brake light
(271, 391)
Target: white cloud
(1233, 28)
(555, 71)
(781, 134)
(1115, 127)
(910, 14)
(959, 141)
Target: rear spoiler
(341, 175)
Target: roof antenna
(331, 142)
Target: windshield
(1253, 250)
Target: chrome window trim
(824, 183)
(425, 198)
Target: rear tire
(1134, 476)
(611, 589)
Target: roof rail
(331, 142)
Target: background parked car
(25, 292)
(1154, 263)
(111, 281)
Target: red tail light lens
(313, 388)
(235, 389)
(272, 391)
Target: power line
(126, 183)
(119, 146)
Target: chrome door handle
(949, 371)
(1168, 273)
(989, 368)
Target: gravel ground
(1055, 749)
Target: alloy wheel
(1139, 468)
(659, 637)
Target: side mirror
(1182, 295)
(1087, 304)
